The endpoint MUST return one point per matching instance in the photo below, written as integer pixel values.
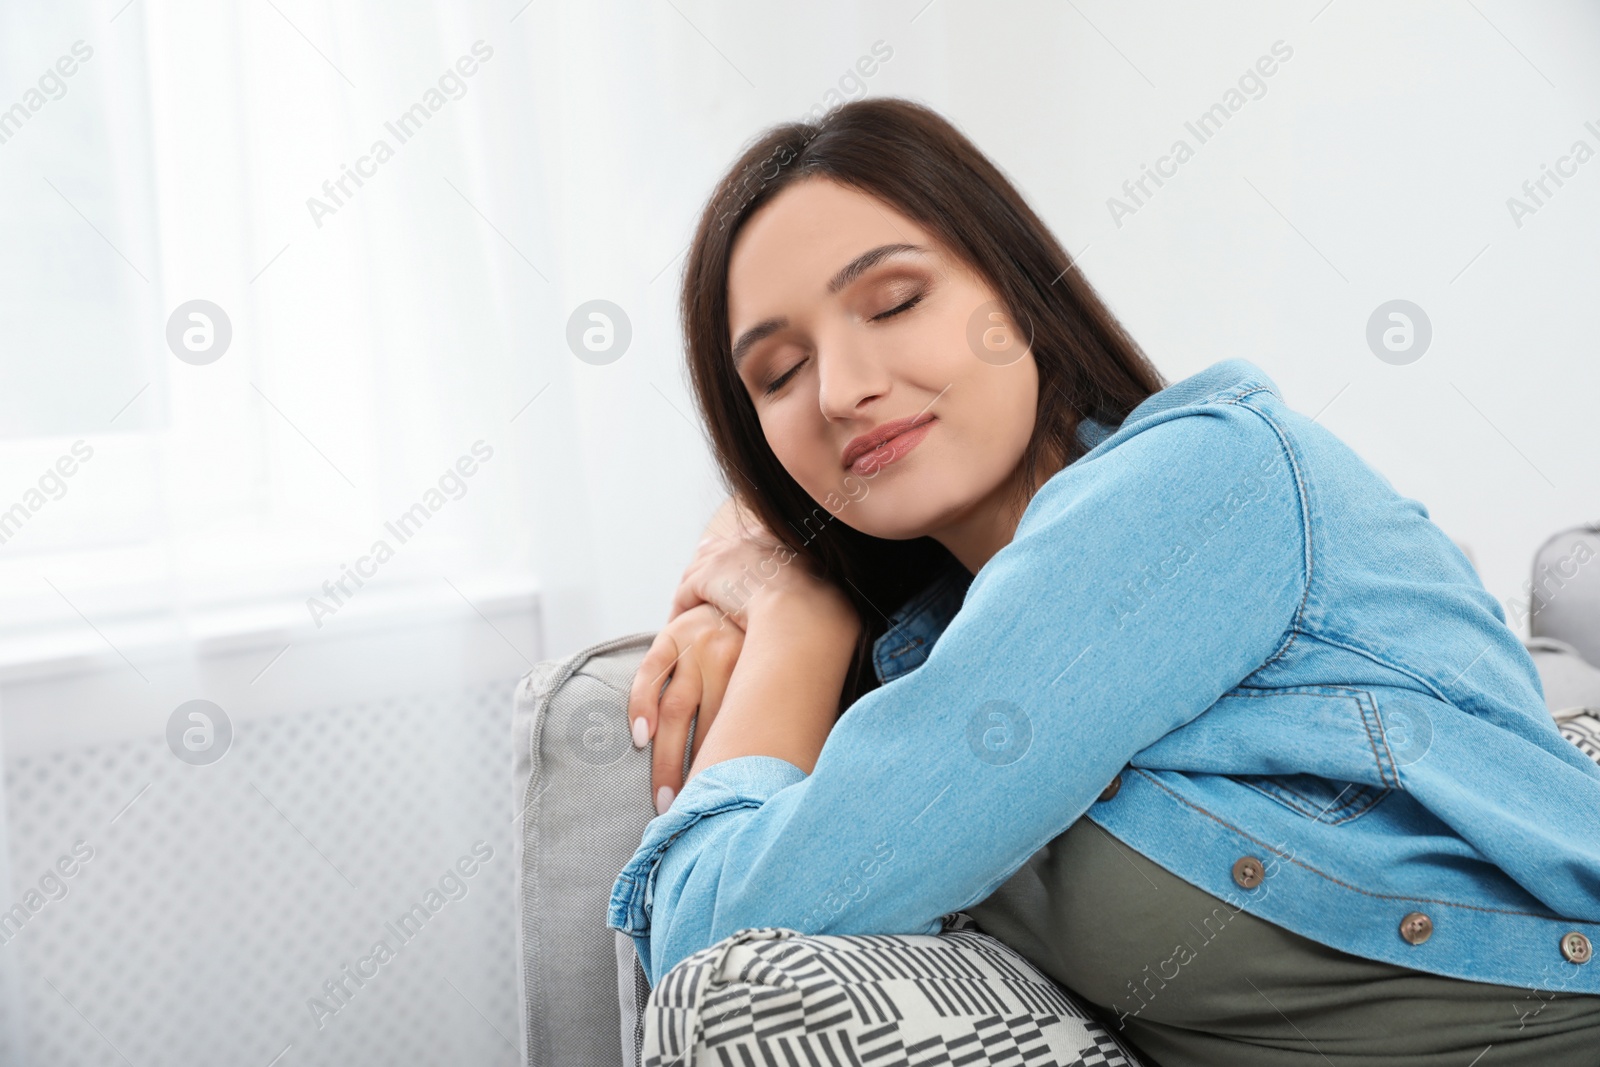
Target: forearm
(783, 695)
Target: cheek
(935, 351)
(1004, 400)
(796, 438)
(1023, 399)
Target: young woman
(1161, 683)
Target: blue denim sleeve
(1143, 582)
(674, 839)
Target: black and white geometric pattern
(1584, 731)
(772, 995)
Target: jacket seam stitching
(1323, 874)
(1385, 767)
(637, 885)
(1348, 811)
(1294, 626)
(1339, 640)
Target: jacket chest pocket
(1322, 799)
(1323, 751)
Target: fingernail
(641, 732)
(663, 799)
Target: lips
(874, 440)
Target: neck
(991, 522)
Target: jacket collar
(918, 623)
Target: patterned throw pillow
(771, 995)
(1583, 730)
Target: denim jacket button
(1248, 872)
(1576, 948)
(1111, 790)
(1416, 928)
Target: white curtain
(394, 490)
(382, 332)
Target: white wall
(1376, 165)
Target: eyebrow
(847, 274)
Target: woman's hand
(698, 649)
(739, 570)
(736, 570)
(783, 698)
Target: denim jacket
(1230, 643)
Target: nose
(850, 376)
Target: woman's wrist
(818, 614)
(783, 696)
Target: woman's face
(845, 316)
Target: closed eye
(907, 306)
(778, 382)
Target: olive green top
(1189, 979)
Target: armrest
(581, 802)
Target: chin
(902, 513)
(898, 532)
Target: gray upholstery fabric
(633, 991)
(583, 792)
(1571, 683)
(1564, 597)
(633, 985)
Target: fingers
(678, 705)
(695, 658)
(693, 592)
(721, 652)
(644, 697)
(684, 598)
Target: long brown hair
(912, 158)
